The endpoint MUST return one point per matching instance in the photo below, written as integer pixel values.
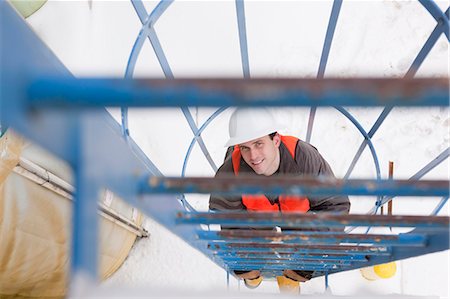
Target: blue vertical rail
(149, 22)
(242, 28)
(418, 175)
(85, 227)
(335, 10)
(423, 53)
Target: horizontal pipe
(101, 92)
(52, 182)
(311, 221)
(46, 176)
(303, 185)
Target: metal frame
(41, 100)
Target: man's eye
(244, 149)
(259, 144)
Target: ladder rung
(286, 262)
(307, 249)
(300, 185)
(282, 255)
(298, 237)
(311, 221)
(263, 267)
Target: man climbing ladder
(256, 148)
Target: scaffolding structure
(41, 100)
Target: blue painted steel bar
(146, 31)
(134, 148)
(440, 205)
(312, 116)
(437, 241)
(426, 169)
(199, 132)
(140, 10)
(197, 137)
(429, 44)
(379, 251)
(366, 138)
(310, 186)
(329, 37)
(369, 142)
(256, 261)
(324, 58)
(407, 241)
(153, 38)
(279, 264)
(160, 54)
(168, 73)
(295, 237)
(191, 146)
(229, 259)
(274, 255)
(240, 11)
(302, 249)
(430, 166)
(156, 13)
(85, 226)
(371, 133)
(65, 92)
(438, 15)
(282, 266)
(320, 220)
(275, 266)
(265, 267)
(409, 74)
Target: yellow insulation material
(35, 228)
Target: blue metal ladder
(41, 100)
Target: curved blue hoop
(198, 134)
(147, 30)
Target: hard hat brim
(261, 133)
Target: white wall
(376, 38)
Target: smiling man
(255, 147)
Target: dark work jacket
(307, 161)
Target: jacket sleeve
(219, 202)
(311, 162)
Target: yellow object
(253, 283)
(288, 286)
(35, 230)
(27, 7)
(383, 271)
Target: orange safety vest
(288, 203)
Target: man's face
(262, 154)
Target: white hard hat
(250, 123)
